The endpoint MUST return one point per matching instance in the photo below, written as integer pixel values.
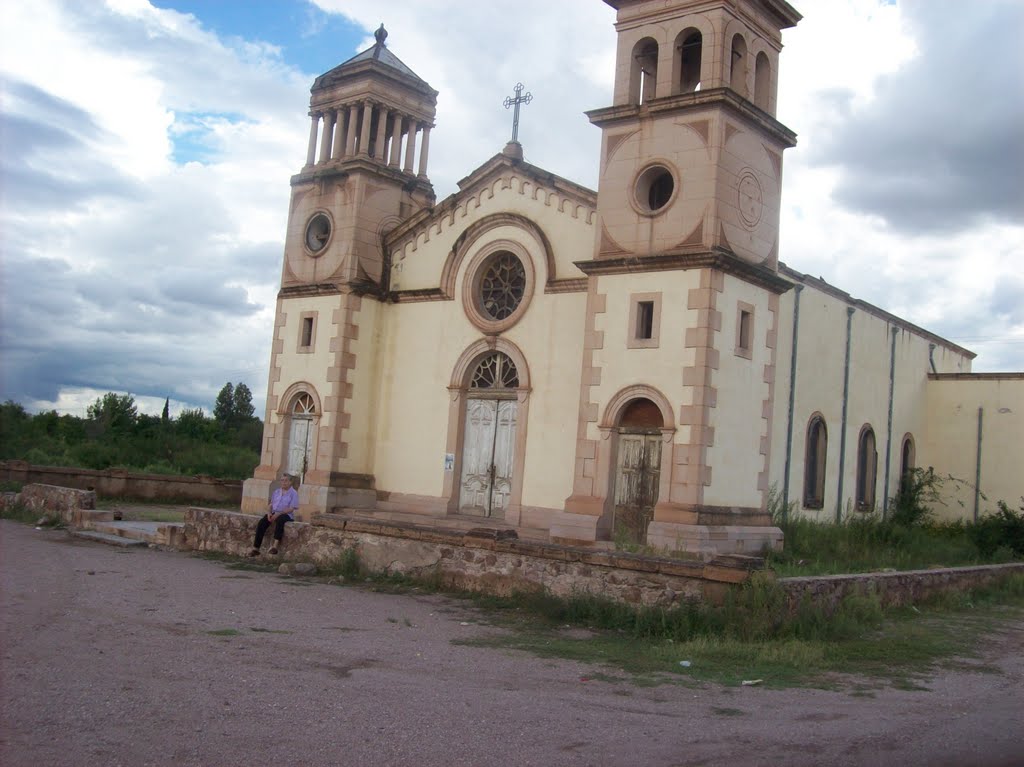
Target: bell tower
(365, 172)
(683, 284)
(691, 156)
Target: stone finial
(513, 150)
(380, 35)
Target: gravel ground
(109, 659)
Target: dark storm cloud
(939, 148)
(36, 130)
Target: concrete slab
(112, 540)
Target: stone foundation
(479, 560)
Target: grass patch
(268, 631)
(225, 633)
(748, 638)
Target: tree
(165, 416)
(192, 422)
(224, 409)
(243, 409)
(114, 412)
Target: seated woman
(283, 504)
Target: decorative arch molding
(467, 361)
(284, 404)
(621, 399)
(466, 241)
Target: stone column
(382, 133)
(338, 148)
(364, 133)
(325, 144)
(350, 134)
(423, 151)
(396, 140)
(311, 151)
(410, 147)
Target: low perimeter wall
(894, 589)
(118, 483)
(478, 560)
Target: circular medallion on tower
(318, 233)
(750, 198)
(653, 190)
(498, 286)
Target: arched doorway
(299, 454)
(637, 469)
(489, 437)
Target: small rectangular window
(744, 330)
(745, 318)
(307, 332)
(644, 320)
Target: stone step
(161, 533)
(112, 540)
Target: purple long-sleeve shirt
(286, 501)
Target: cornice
(704, 259)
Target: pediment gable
(500, 173)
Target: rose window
(502, 286)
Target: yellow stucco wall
(735, 457)
(952, 440)
(821, 348)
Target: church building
(630, 364)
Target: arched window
(907, 460)
(814, 463)
(644, 72)
(689, 50)
(762, 81)
(867, 468)
(303, 405)
(495, 371)
(738, 65)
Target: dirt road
(115, 657)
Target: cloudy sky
(146, 150)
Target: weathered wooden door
(636, 485)
(300, 445)
(488, 454)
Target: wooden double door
(638, 472)
(488, 456)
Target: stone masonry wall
(477, 560)
(121, 483)
(480, 561)
(905, 587)
(65, 502)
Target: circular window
(318, 233)
(498, 286)
(654, 189)
(502, 286)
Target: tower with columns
(365, 171)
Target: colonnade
(370, 130)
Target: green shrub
(1002, 530)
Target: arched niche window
(303, 405)
(907, 461)
(689, 51)
(644, 72)
(494, 372)
(762, 81)
(867, 468)
(814, 463)
(738, 65)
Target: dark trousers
(261, 529)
